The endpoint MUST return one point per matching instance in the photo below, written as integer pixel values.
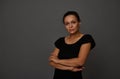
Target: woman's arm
(54, 54)
(62, 67)
(59, 66)
(76, 62)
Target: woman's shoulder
(59, 42)
(87, 35)
(60, 38)
(88, 38)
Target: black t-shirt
(68, 51)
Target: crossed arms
(73, 64)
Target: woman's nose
(70, 25)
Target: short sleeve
(58, 43)
(89, 39)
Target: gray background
(28, 29)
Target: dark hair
(71, 13)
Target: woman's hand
(53, 58)
(78, 69)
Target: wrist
(56, 61)
(71, 68)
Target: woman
(71, 52)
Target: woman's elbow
(80, 63)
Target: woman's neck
(75, 35)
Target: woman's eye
(73, 22)
(66, 23)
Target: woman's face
(71, 24)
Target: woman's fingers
(78, 69)
(52, 58)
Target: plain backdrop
(29, 28)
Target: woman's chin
(71, 33)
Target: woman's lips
(71, 29)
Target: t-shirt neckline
(75, 42)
